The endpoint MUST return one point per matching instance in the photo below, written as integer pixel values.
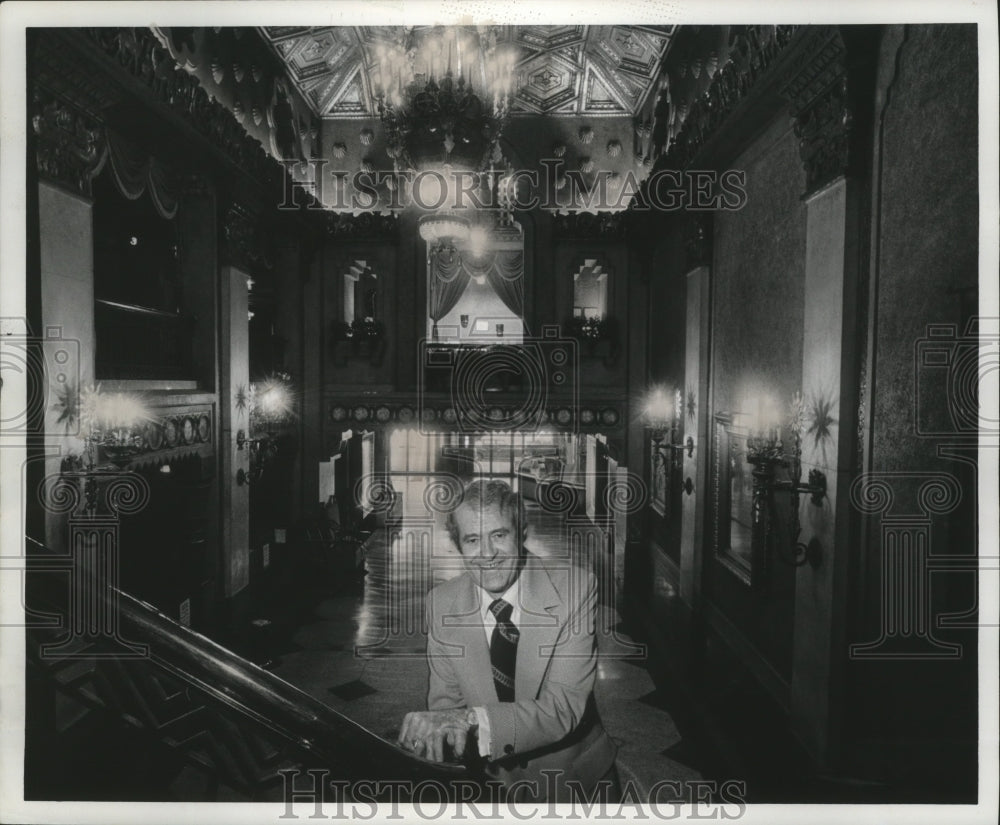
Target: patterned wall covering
(560, 70)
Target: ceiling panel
(561, 70)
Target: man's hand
(425, 732)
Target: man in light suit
(513, 657)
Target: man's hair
(483, 494)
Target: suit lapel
(541, 621)
(466, 628)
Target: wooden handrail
(226, 678)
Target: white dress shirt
(512, 596)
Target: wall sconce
(262, 451)
(270, 405)
(113, 425)
(464, 319)
(499, 330)
(663, 416)
(765, 451)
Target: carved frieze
(70, 146)
(443, 415)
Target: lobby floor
(358, 645)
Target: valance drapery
(451, 272)
(135, 171)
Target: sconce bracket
(816, 487)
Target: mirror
(732, 516)
(360, 293)
(590, 290)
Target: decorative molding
(752, 54)
(605, 225)
(442, 415)
(70, 146)
(138, 52)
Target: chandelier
(443, 94)
(441, 228)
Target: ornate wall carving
(70, 146)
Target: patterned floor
(359, 647)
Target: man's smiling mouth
(492, 565)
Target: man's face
(490, 546)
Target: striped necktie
(503, 650)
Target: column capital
(821, 96)
(70, 145)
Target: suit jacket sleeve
(562, 699)
(443, 692)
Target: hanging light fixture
(443, 229)
(443, 94)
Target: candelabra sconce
(262, 451)
(766, 455)
(464, 320)
(500, 330)
(73, 466)
(673, 453)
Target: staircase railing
(221, 713)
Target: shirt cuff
(483, 734)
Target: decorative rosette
(614, 148)
(586, 134)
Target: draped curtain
(448, 281)
(506, 276)
(451, 273)
(134, 172)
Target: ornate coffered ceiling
(589, 71)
